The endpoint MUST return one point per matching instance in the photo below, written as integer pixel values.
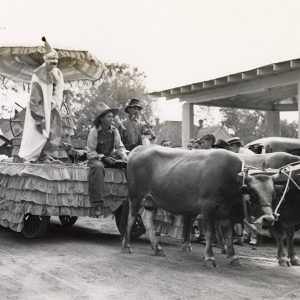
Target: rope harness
(245, 173)
(290, 179)
(282, 170)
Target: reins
(245, 208)
(285, 189)
(289, 179)
(288, 182)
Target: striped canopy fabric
(18, 64)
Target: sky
(175, 42)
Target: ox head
(260, 186)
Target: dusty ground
(85, 262)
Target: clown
(42, 127)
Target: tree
(246, 124)
(289, 129)
(250, 125)
(118, 86)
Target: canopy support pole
(298, 95)
(273, 123)
(187, 123)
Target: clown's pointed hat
(48, 48)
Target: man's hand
(143, 115)
(145, 119)
(125, 158)
(40, 126)
(109, 161)
(72, 152)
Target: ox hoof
(211, 263)
(235, 262)
(284, 262)
(295, 261)
(187, 248)
(127, 250)
(159, 252)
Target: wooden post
(187, 123)
(298, 95)
(273, 123)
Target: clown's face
(51, 61)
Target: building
(271, 88)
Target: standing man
(42, 127)
(104, 145)
(207, 141)
(190, 145)
(204, 143)
(132, 136)
(235, 144)
(166, 143)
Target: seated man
(104, 145)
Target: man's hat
(209, 137)
(133, 103)
(104, 108)
(234, 140)
(221, 144)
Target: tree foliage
(117, 87)
(250, 125)
(289, 129)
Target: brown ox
(289, 210)
(187, 182)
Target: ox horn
(242, 174)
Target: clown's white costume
(42, 127)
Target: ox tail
(137, 228)
(124, 218)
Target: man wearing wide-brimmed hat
(135, 128)
(236, 146)
(42, 127)
(104, 145)
(221, 144)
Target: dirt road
(85, 262)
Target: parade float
(32, 193)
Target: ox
(186, 182)
(289, 211)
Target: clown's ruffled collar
(49, 77)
